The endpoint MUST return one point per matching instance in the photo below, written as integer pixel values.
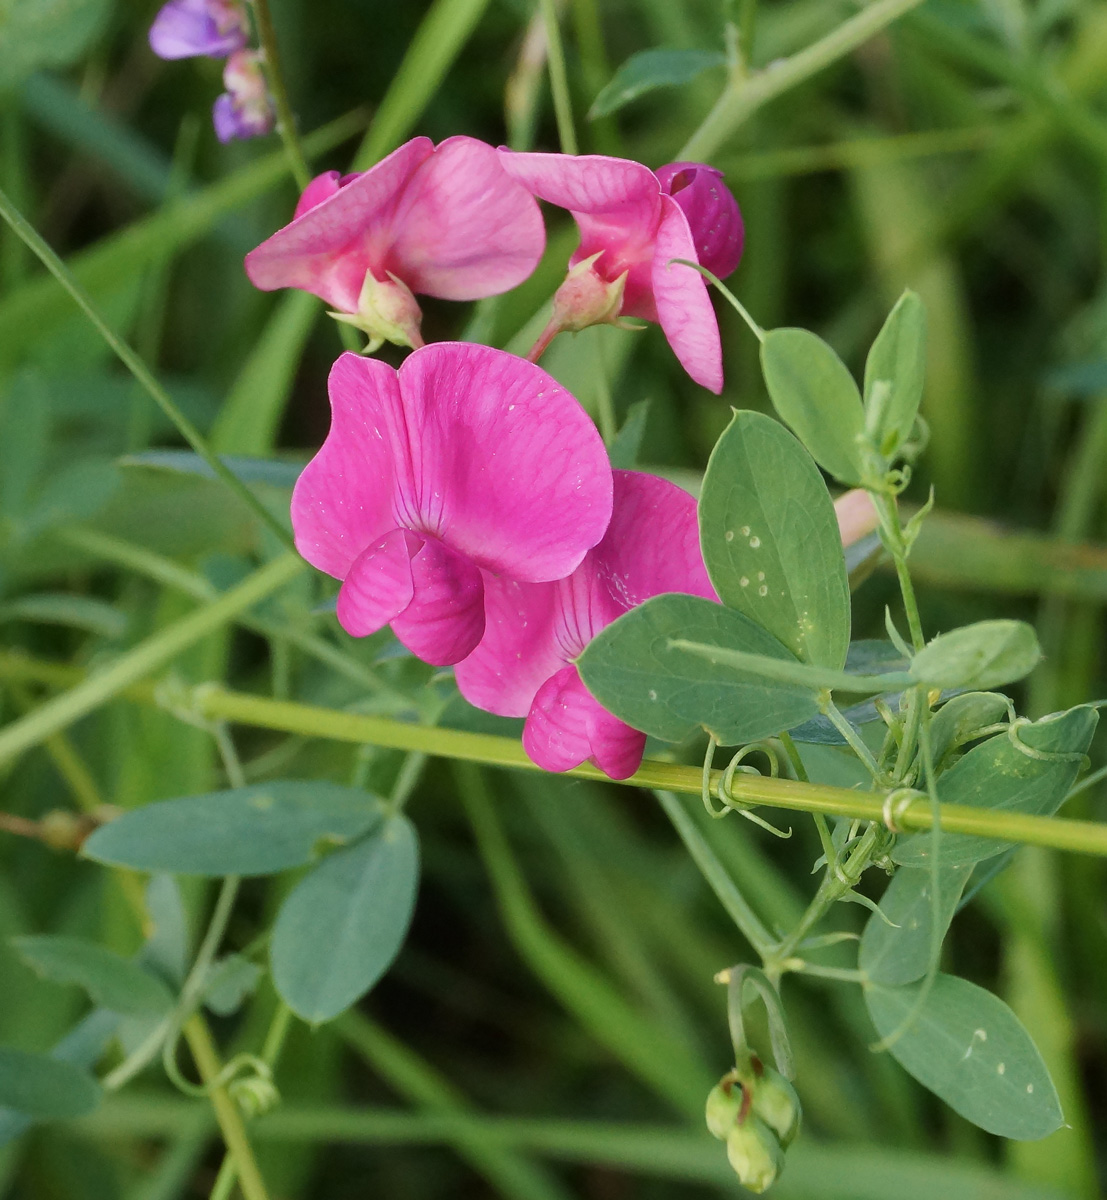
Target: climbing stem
(286, 121)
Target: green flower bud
(776, 1103)
(724, 1106)
(755, 1155)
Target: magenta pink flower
(465, 469)
(446, 222)
(524, 665)
(632, 224)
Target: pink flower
(445, 221)
(245, 109)
(534, 631)
(632, 223)
(465, 469)
(186, 28)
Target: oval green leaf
(817, 398)
(243, 831)
(342, 926)
(44, 1087)
(770, 539)
(111, 981)
(650, 69)
(898, 360)
(634, 671)
(985, 655)
(1002, 775)
(971, 1051)
(896, 945)
(961, 717)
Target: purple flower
(245, 109)
(186, 28)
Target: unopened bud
(724, 1106)
(63, 830)
(386, 312)
(586, 298)
(775, 1102)
(713, 214)
(755, 1155)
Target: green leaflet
(770, 539)
(898, 952)
(984, 655)
(970, 1050)
(111, 981)
(632, 669)
(46, 33)
(243, 831)
(816, 396)
(45, 1087)
(999, 774)
(340, 929)
(898, 361)
(651, 69)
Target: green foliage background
(551, 1028)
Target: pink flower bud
(712, 212)
(386, 312)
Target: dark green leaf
(111, 981)
(984, 655)
(339, 931)
(650, 69)
(970, 1050)
(61, 608)
(1033, 777)
(229, 982)
(961, 717)
(815, 394)
(166, 948)
(633, 671)
(44, 1087)
(898, 360)
(244, 831)
(770, 539)
(45, 33)
(899, 953)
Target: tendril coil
(721, 791)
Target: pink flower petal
(616, 203)
(506, 467)
(321, 188)
(856, 515)
(566, 727)
(343, 500)
(328, 249)
(519, 650)
(445, 619)
(713, 214)
(683, 304)
(465, 229)
(379, 585)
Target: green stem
(286, 122)
(30, 236)
(745, 95)
(559, 79)
(888, 512)
(833, 713)
(144, 659)
(716, 875)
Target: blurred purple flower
(186, 28)
(245, 109)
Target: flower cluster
(219, 29)
(466, 499)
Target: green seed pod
(776, 1103)
(755, 1154)
(724, 1106)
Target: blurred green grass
(546, 1029)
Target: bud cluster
(756, 1111)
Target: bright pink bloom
(524, 665)
(446, 222)
(465, 468)
(632, 224)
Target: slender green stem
(23, 229)
(745, 95)
(286, 121)
(825, 840)
(559, 79)
(147, 657)
(731, 298)
(716, 875)
(853, 740)
(887, 511)
(784, 670)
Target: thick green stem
(23, 228)
(286, 121)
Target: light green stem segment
(559, 79)
(746, 94)
(144, 659)
(286, 121)
(130, 359)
